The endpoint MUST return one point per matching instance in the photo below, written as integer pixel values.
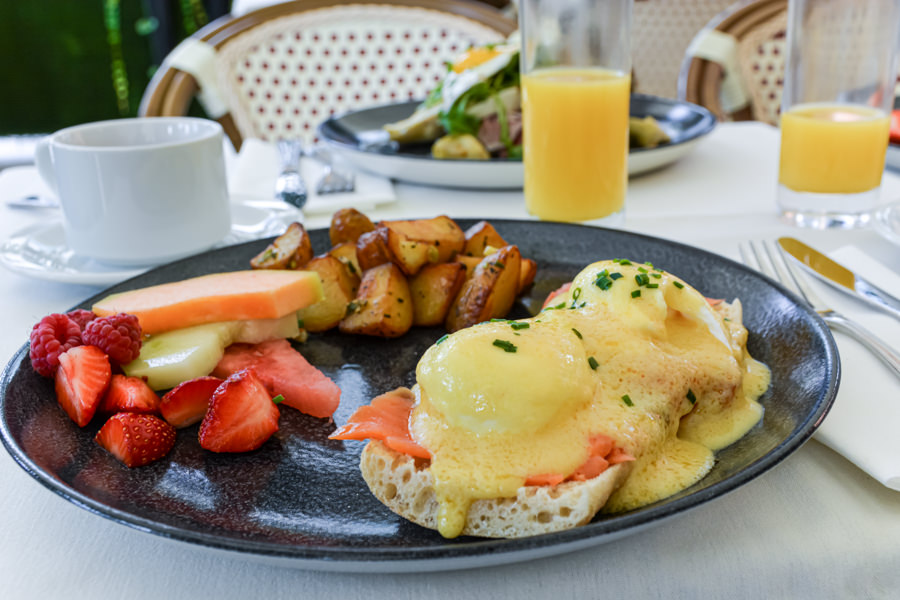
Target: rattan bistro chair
(735, 65)
(278, 71)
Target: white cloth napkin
(253, 171)
(864, 423)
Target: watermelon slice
(284, 371)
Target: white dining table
(815, 526)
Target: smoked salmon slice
(386, 419)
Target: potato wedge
(347, 224)
(372, 250)
(528, 270)
(383, 305)
(409, 255)
(442, 232)
(290, 250)
(481, 235)
(433, 290)
(346, 253)
(490, 291)
(470, 263)
(339, 288)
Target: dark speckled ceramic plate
(300, 499)
(358, 136)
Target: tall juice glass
(838, 94)
(576, 64)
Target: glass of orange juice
(575, 65)
(838, 93)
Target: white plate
(40, 251)
(359, 138)
(887, 222)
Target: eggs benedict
(613, 397)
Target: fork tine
(771, 264)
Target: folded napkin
(864, 423)
(252, 174)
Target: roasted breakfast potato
(490, 292)
(339, 287)
(290, 250)
(383, 306)
(347, 225)
(346, 253)
(433, 290)
(382, 278)
(480, 236)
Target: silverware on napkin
(772, 263)
(289, 186)
(839, 276)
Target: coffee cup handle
(44, 163)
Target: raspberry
(81, 316)
(117, 335)
(53, 335)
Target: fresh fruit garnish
(81, 381)
(186, 403)
(50, 337)
(129, 394)
(81, 316)
(118, 335)
(241, 415)
(135, 439)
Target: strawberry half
(136, 439)
(81, 381)
(241, 415)
(186, 403)
(129, 394)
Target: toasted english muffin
(404, 485)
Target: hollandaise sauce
(629, 351)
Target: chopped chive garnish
(300, 323)
(277, 399)
(652, 285)
(627, 400)
(656, 275)
(691, 396)
(623, 261)
(616, 275)
(604, 282)
(505, 346)
(641, 279)
(578, 333)
(678, 284)
(499, 320)
(576, 293)
(560, 305)
(441, 339)
(517, 326)
(642, 269)
(593, 363)
(635, 293)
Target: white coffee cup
(139, 191)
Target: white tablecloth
(814, 527)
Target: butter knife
(839, 276)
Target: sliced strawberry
(186, 403)
(136, 439)
(129, 394)
(241, 415)
(81, 381)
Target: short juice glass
(838, 93)
(576, 65)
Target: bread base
(405, 486)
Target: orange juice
(575, 143)
(832, 149)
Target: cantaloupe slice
(232, 296)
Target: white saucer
(887, 223)
(40, 251)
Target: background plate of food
(300, 500)
(359, 137)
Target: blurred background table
(814, 527)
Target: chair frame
(171, 90)
(700, 79)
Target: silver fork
(331, 182)
(290, 187)
(768, 260)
